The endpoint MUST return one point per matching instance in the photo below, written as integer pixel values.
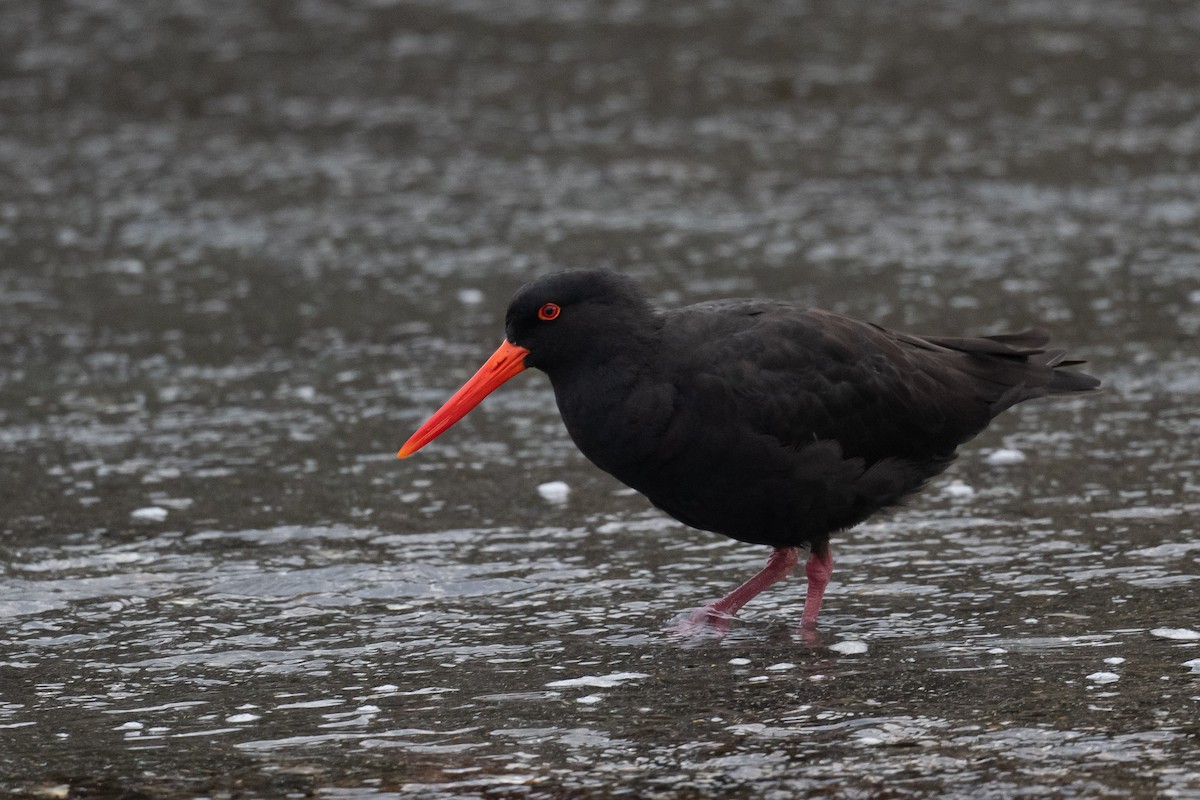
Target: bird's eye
(549, 311)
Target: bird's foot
(808, 633)
(709, 621)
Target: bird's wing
(806, 375)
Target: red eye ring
(549, 311)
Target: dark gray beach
(245, 249)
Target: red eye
(549, 311)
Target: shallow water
(245, 250)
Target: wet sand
(245, 250)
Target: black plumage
(763, 421)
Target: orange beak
(504, 363)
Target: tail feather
(1026, 343)
(1028, 338)
(1067, 382)
(1018, 367)
(1062, 380)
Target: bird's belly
(782, 498)
(763, 506)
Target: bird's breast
(623, 427)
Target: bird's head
(555, 323)
(568, 319)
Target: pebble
(959, 489)
(1004, 456)
(470, 297)
(554, 492)
(1104, 677)
(1180, 634)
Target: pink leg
(818, 569)
(718, 613)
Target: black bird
(767, 422)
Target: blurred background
(246, 247)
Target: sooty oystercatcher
(767, 422)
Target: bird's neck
(606, 402)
